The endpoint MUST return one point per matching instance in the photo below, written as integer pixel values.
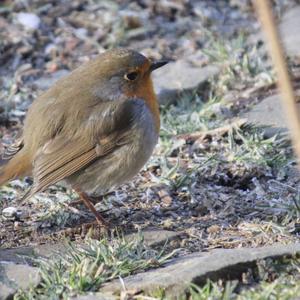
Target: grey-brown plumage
(95, 128)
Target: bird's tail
(18, 166)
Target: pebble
(81, 33)
(10, 213)
(28, 20)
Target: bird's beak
(157, 64)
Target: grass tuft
(86, 267)
(242, 64)
(249, 145)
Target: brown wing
(61, 157)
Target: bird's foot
(89, 203)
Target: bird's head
(125, 73)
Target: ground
(218, 178)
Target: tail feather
(18, 166)
(28, 194)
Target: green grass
(190, 114)
(283, 288)
(84, 268)
(242, 64)
(243, 151)
(248, 145)
(211, 291)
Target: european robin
(94, 129)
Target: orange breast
(145, 91)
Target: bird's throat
(145, 91)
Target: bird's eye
(131, 76)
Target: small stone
(81, 33)
(28, 20)
(6, 292)
(10, 213)
(51, 48)
(175, 277)
(16, 276)
(289, 29)
(177, 78)
(22, 275)
(269, 111)
(165, 197)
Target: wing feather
(61, 157)
(45, 179)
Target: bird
(94, 129)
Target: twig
(220, 130)
(265, 14)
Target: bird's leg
(89, 204)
